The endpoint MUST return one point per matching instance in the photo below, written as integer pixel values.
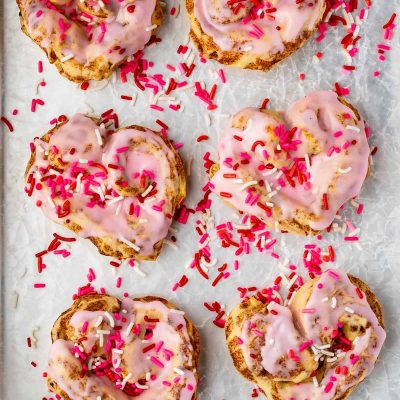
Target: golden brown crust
(72, 70)
(100, 302)
(108, 245)
(252, 306)
(209, 49)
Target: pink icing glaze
(267, 34)
(346, 169)
(119, 35)
(314, 326)
(128, 357)
(111, 217)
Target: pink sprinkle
(328, 387)
(40, 67)
(119, 282)
(122, 149)
(84, 327)
(156, 107)
(333, 274)
(39, 285)
(156, 361)
(239, 340)
(221, 74)
(354, 359)
(39, 13)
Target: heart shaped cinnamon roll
(104, 348)
(320, 347)
(120, 189)
(89, 39)
(293, 169)
(252, 34)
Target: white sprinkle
(51, 202)
(353, 128)
(272, 194)
(292, 281)
(334, 302)
(179, 371)
(102, 332)
(328, 353)
(118, 209)
(315, 381)
(247, 184)
(186, 87)
(143, 220)
(110, 318)
(344, 170)
(99, 321)
(139, 271)
(129, 328)
(325, 299)
(150, 199)
(67, 57)
(99, 138)
(349, 310)
(115, 199)
(117, 351)
(130, 244)
(143, 387)
(354, 232)
(271, 341)
(100, 191)
(151, 27)
(147, 191)
(322, 346)
(331, 359)
(249, 125)
(174, 311)
(125, 381)
(170, 243)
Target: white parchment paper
(27, 231)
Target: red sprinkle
(7, 123)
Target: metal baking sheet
(26, 231)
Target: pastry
(120, 189)
(295, 169)
(252, 34)
(89, 39)
(320, 347)
(104, 348)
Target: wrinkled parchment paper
(26, 231)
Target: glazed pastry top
(329, 327)
(304, 162)
(259, 28)
(85, 30)
(121, 184)
(142, 351)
